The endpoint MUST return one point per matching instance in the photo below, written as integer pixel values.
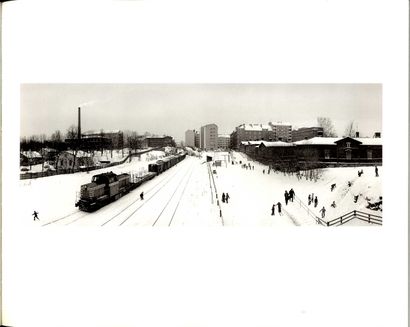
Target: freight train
(109, 187)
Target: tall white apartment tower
(209, 137)
(190, 138)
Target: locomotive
(109, 187)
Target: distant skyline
(172, 109)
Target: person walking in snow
(286, 197)
(291, 194)
(376, 170)
(279, 208)
(323, 211)
(273, 210)
(223, 197)
(227, 197)
(142, 195)
(316, 202)
(309, 200)
(35, 214)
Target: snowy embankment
(253, 193)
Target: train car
(103, 189)
(157, 167)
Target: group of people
(248, 166)
(313, 198)
(279, 208)
(289, 195)
(225, 197)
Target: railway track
(151, 197)
(126, 213)
(164, 181)
(76, 214)
(189, 174)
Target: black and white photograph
(201, 155)
(204, 163)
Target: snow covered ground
(189, 194)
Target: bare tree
(327, 125)
(350, 130)
(56, 137)
(72, 132)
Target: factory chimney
(79, 123)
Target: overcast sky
(173, 108)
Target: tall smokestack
(79, 123)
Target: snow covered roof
(369, 140)
(254, 127)
(224, 135)
(80, 153)
(276, 144)
(280, 123)
(44, 150)
(251, 142)
(31, 154)
(332, 140)
(261, 127)
(319, 141)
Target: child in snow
(227, 197)
(142, 196)
(316, 202)
(35, 214)
(323, 211)
(333, 205)
(309, 200)
(223, 197)
(376, 170)
(273, 210)
(332, 187)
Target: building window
(347, 144)
(327, 154)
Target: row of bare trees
(57, 139)
(329, 130)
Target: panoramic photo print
(264, 155)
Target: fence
(216, 192)
(355, 214)
(310, 212)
